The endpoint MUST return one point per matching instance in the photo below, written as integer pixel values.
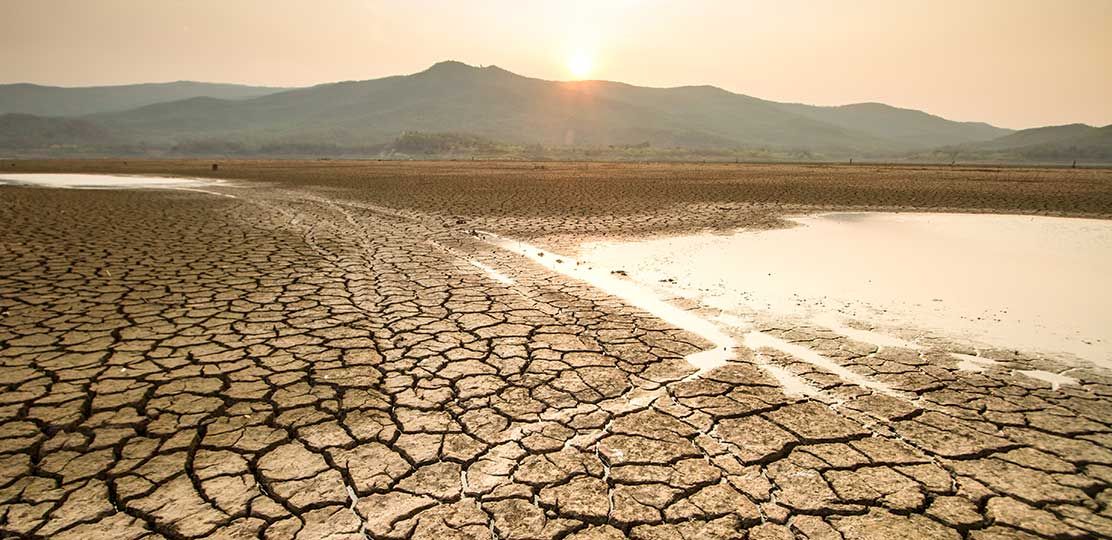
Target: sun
(580, 64)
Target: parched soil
(526, 200)
(321, 357)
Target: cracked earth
(291, 364)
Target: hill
(59, 101)
(1051, 144)
(452, 105)
(25, 132)
(907, 127)
(498, 105)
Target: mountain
(454, 105)
(1086, 144)
(1052, 135)
(58, 101)
(25, 131)
(914, 129)
(493, 103)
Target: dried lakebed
(290, 364)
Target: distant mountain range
(59, 101)
(1053, 143)
(459, 109)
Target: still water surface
(1037, 284)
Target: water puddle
(112, 181)
(1056, 380)
(1036, 284)
(976, 364)
(492, 273)
(719, 332)
(760, 340)
(634, 294)
(838, 326)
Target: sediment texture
(298, 364)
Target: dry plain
(332, 351)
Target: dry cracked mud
(293, 363)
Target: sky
(1012, 63)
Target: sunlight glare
(580, 64)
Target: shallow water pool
(106, 181)
(1037, 284)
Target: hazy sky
(1014, 63)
